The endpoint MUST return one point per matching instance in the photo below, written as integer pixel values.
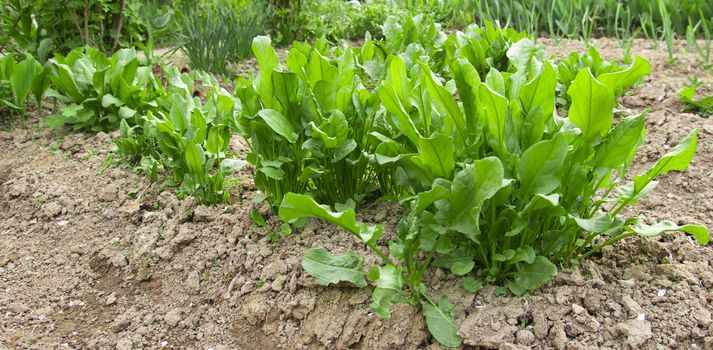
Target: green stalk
(608, 242)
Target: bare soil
(95, 257)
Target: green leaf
(268, 61)
(541, 166)
(470, 188)
(327, 269)
(525, 56)
(542, 202)
(700, 233)
(596, 224)
(295, 206)
(194, 160)
(439, 319)
(468, 82)
(592, 105)
(273, 172)
(381, 300)
(620, 145)
(494, 108)
(257, 218)
(618, 81)
(540, 92)
(279, 124)
(109, 100)
(460, 268)
(532, 276)
(472, 285)
(64, 80)
(230, 165)
(21, 80)
(438, 154)
(677, 159)
(387, 277)
(443, 100)
(392, 103)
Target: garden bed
(90, 260)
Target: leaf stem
(608, 242)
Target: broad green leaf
(230, 165)
(439, 319)
(268, 61)
(540, 167)
(328, 269)
(596, 224)
(21, 79)
(40, 83)
(273, 172)
(540, 92)
(532, 276)
(620, 144)
(677, 159)
(64, 81)
(443, 100)
(438, 154)
(700, 233)
(387, 277)
(543, 202)
(470, 188)
(391, 101)
(296, 206)
(215, 143)
(494, 109)
(592, 105)
(381, 300)
(398, 78)
(334, 131)
(618, 81)
(526, 56)
(468, 82)
(496, 81)
(439, 190)
(476, 183)
(523, 254)
(321, 69)
(194, 160)
(109, 100)
(279, 124)
(460, 268)
(472, 285)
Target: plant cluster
(703, 105)
(108, 25)
(214, 33)
(100, 91)
(509, 164)
(19, 79)
(183, 124)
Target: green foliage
(396, 281)
(99, 91)
(17, 24)
(702, 106)
(307, 125)
(19, 79)
(611, 74)
(500, 187)
(214, 33)
(74, 23)
(338, 19)
(188, 136)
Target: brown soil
(85, 265)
